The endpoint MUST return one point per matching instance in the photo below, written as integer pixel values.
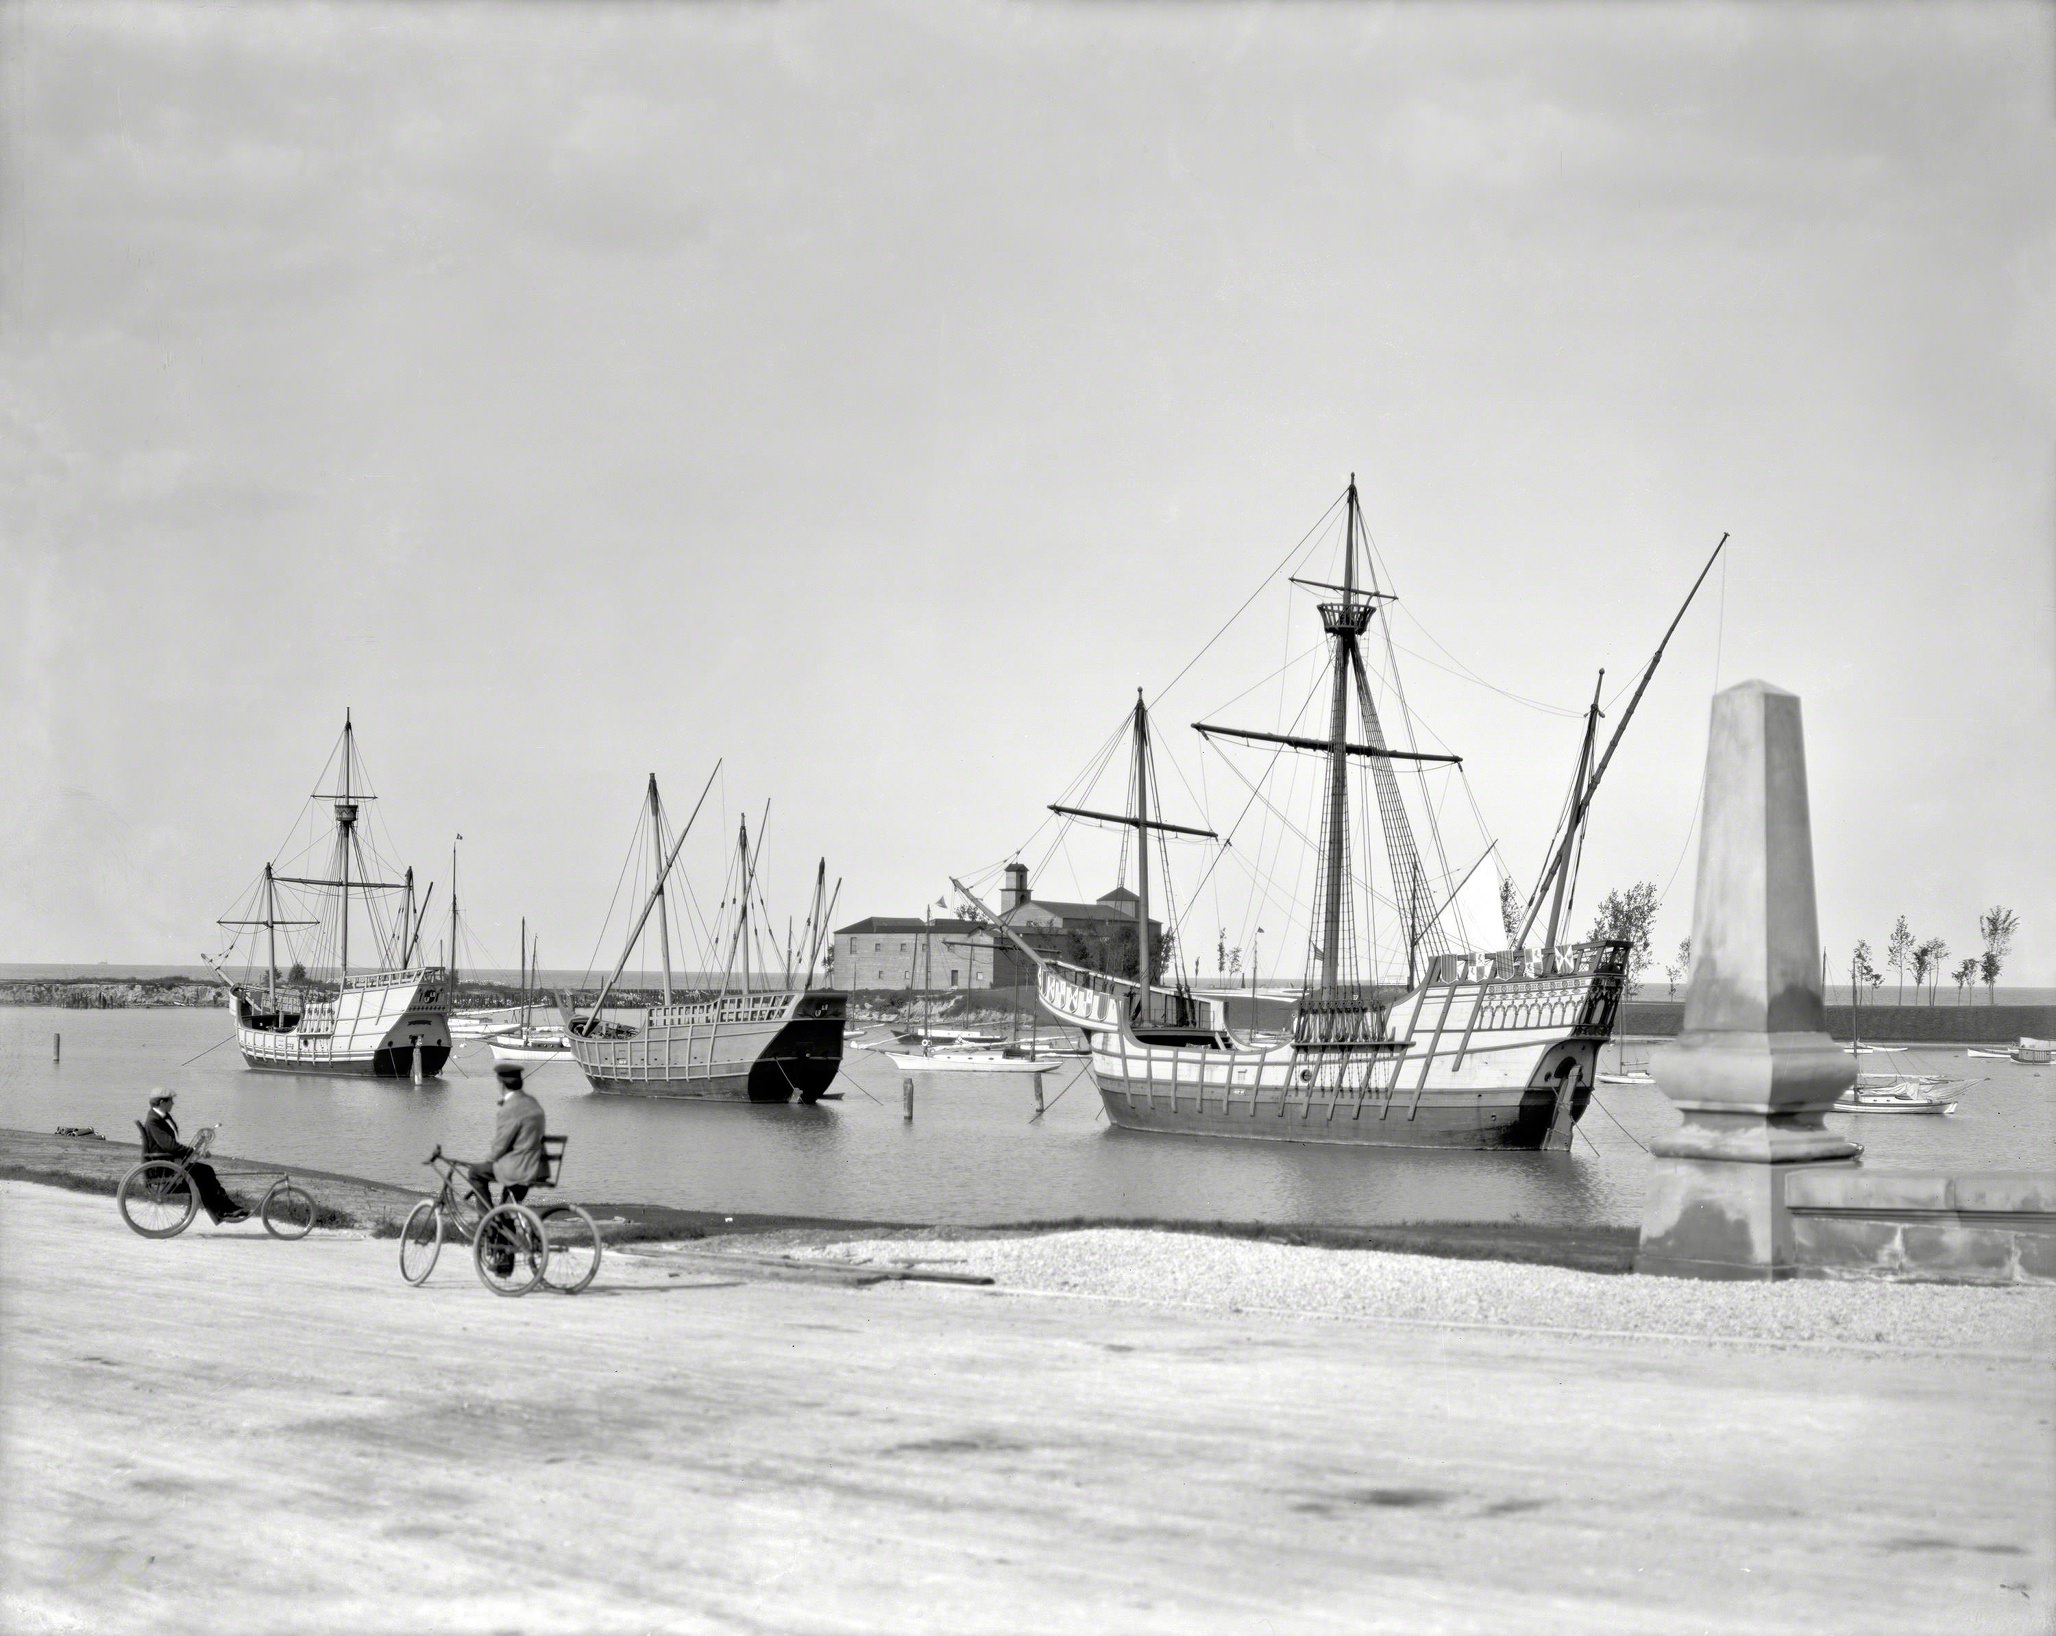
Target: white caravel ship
(1472, 1051)
(392, 1021)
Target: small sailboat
(392, 1020)
(1633, 1068)
(959, 1050)
(528, 1042)
(1902, 1093)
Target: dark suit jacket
(160, 1137)
(517, 1155)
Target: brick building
(904, 952)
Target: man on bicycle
(160, 1141)
(516, 1161)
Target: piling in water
(56, 1047)
(907, 1098)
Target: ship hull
(756, 1049)
(372, 1029)
(1480, 1057)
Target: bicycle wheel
(288, 1209)
(574, 1248)
(421, 1241)
(510, 1250)
(158, 1198)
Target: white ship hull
(375, 1026)
(1483, 1055)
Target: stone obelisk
(1754, 1071)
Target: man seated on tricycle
(516, 1161)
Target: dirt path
(223, 1432)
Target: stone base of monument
(1994, 1228)
(1715, 1218)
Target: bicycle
(158, 1198)
(515, 1246)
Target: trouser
(481, 1179)
(214, 1198)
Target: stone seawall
(1897, 1024)
(74, 994)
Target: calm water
(971, 1154)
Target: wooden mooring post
(1038, 1088)
(907, 1099)
(56, 1047)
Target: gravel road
(1233, 1275)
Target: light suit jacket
(517, 1154)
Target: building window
(878, 947)
(952, 976)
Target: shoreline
(96, 1164)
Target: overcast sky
(876, 395)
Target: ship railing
(389, 979)
(1526, 965)
(1098, 981)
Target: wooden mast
(642, 920)
(1577, 802)
(271, 936)
(1336, 831)
(1136, 818)
(1561, 859)
(657, 860)
(524, 974)
(453, 921)
(1143, 967)
(346, 820)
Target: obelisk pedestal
(1754, 1071)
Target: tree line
(1630, 916)
(1926, 961)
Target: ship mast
(1144, 971)
(1560, 859)
(657, 861)
(1345, 622)
(453, 920)
(1577, 800)
(1138, 819)
(271, 937)
(346, 823)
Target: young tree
(1899, 953)
(1861, 971)
(1964, 975)
(1996, 926)
(1221, 952)
(1934, 951)
(1629, 917)
(1922, 958)
(1510, 907)
(1680, 968)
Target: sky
(873, 396)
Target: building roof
(906, 923)
(1067, 912)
